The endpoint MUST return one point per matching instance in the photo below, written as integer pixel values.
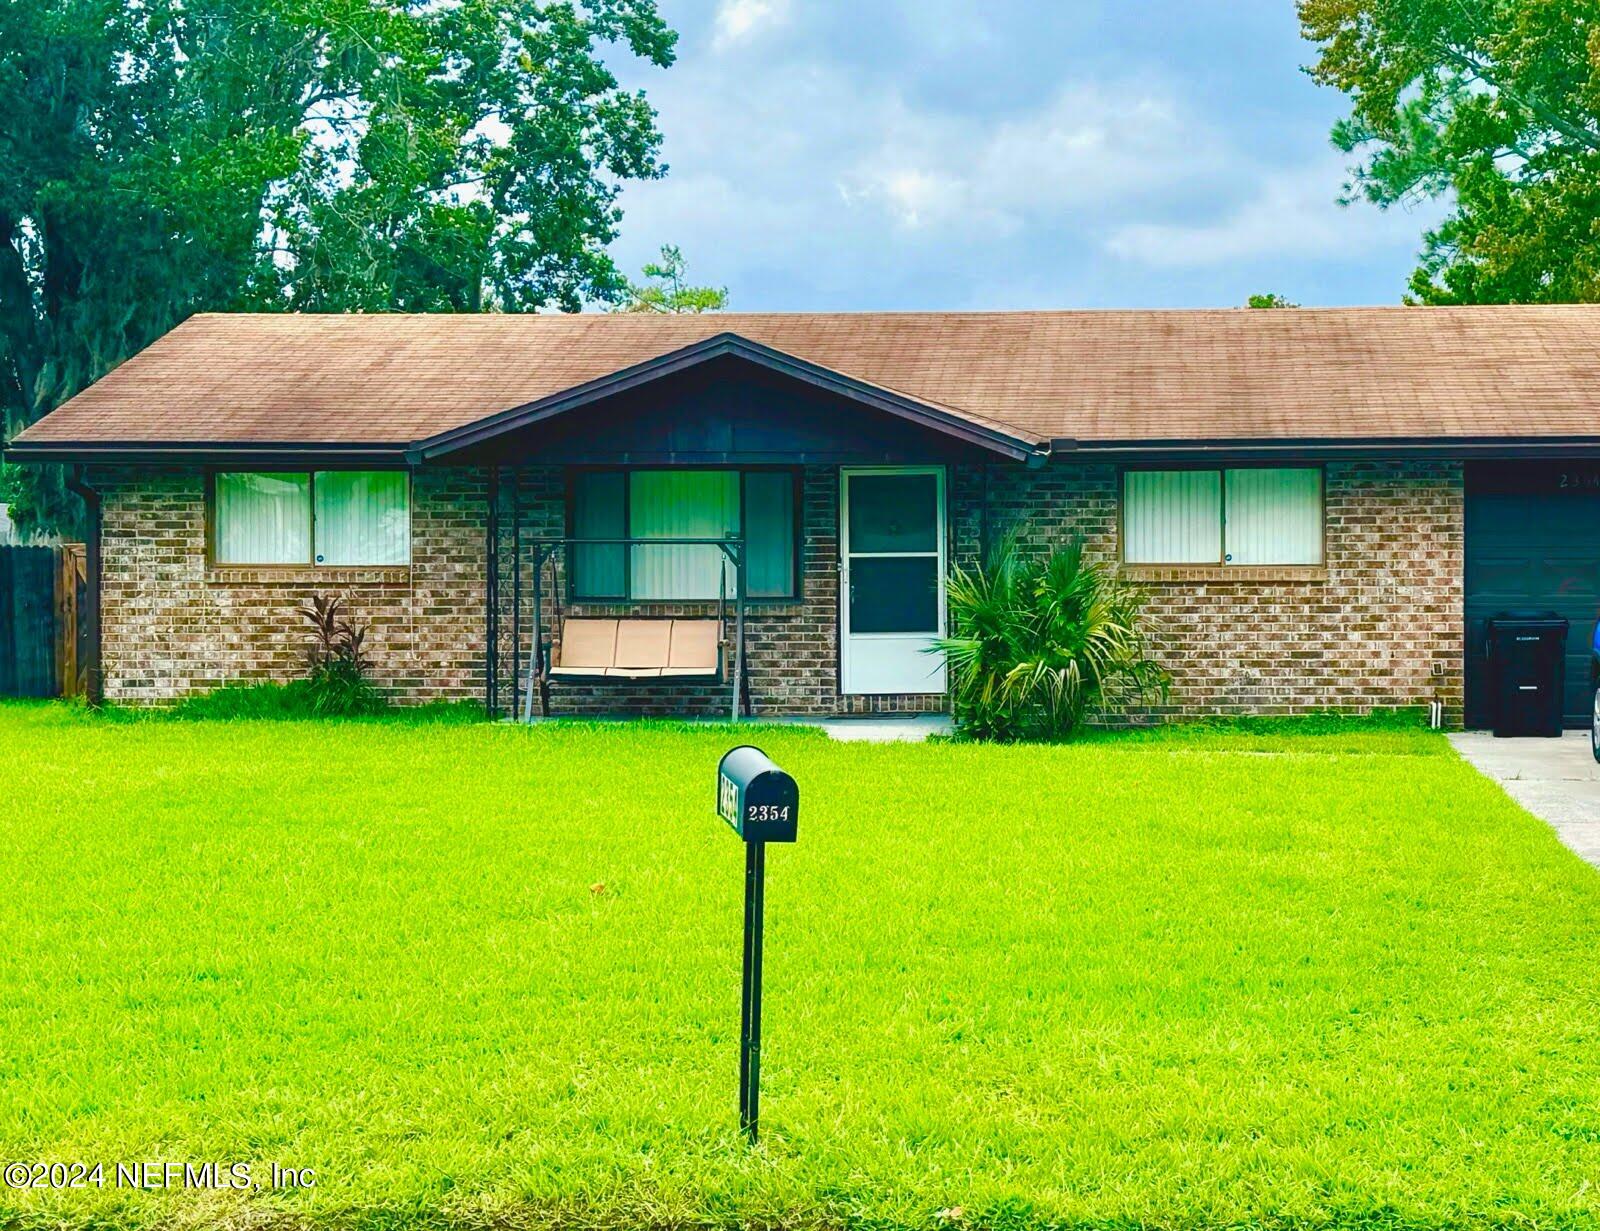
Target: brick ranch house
(1324, 504)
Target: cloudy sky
(895, 154)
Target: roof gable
(968, 429)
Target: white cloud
(1086, 149)
(1290, 213)
(738, 20)
(913, 197)
(822, 157)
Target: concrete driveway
(1556, 779)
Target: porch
(823, 585)
(805, 517)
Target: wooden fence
(41, 638)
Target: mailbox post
(762, 804)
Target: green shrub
(264, 700)
(294, 700)
(1037, 642)
(337, 686)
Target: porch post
(516, 588)
(90, 661)
(738, 626)
(535, 663)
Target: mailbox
(761, 804)
(755, 797)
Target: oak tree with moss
(174, 156)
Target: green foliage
(1270, 300)
(668, 291)
(486, 976)
(1495, 104)
(36, 499)
(1038, 642)
(1395, 731)
(175, 156)
(293, 701)
(236, 701)
(337, 686)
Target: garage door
(1533, 544)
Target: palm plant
(1037, 642)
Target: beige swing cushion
(637, 649)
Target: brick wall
(1379, 625)
(173, 625)
(1369, 628)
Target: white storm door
(891, 592)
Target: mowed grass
(479, 975)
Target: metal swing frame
(537, 680)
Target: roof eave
(206, 452)
(1437, 447)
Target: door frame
(942, 543)
(1523, 491)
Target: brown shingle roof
(1352, 373)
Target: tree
(667, 290)
(174, 156)
(1496, 103)
(1270, 300)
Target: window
(1172, 517)
(1244, 516)
(329, 517)
(682, 504)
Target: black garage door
(1533, 544)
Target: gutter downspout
(491, 599)
(93, 678)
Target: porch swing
(635, 649)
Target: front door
(891, 563)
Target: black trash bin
(1526, 653)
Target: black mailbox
(758, 799)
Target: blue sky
(902, 154)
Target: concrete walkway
(1556, 779)
(909, 728)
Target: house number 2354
(767, 812)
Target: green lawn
(480, 975)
